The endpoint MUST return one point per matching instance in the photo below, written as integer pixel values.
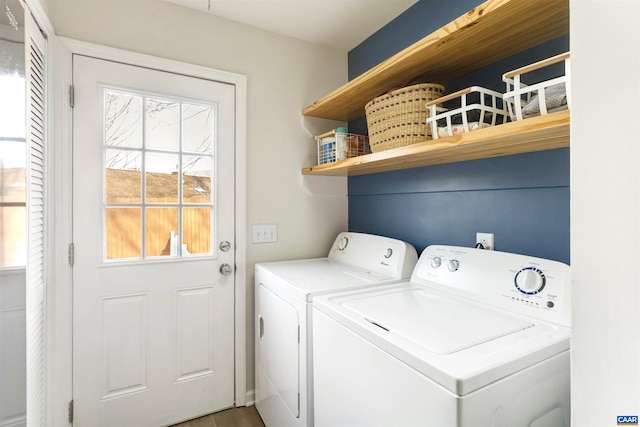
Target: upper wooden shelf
(488, 33)
(535, 134)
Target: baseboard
(251, 398)
(17, 421)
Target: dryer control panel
(384, 255)
(532, 286)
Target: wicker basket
(399, 118)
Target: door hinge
(72, 96)
(71, 412)
(71, 254)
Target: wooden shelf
(486, 34)
(534, 134)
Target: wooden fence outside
(124, 229)
(124, 224)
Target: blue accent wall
(522, 199)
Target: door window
(13, 212)
(159, 163)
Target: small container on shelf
(338, 144)
(539, 95)
(475, 108)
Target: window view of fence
(13, 212)
(158, 175)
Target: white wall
(283, 76)
(605, 210)
(13, 346)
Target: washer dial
(530, 280)
(453, 265)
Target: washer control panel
(533, 286)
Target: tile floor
(234, 417)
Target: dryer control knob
(530, 280)
(453, 265)
(342, 243)
(436, 261)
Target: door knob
(226, 269)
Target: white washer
(284, 292)
(475, 338)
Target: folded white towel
(555, 99)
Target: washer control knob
(436, 261)
(453, 265)
(388, 253)
(530, 280)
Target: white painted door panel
(153, 336)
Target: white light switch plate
(264, 233)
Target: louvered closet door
(36, 117)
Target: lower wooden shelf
(535, 134)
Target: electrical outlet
(486, 239)
(264, 233)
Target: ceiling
(337, 24)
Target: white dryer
(475, 338)
(284, 292)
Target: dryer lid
(439, 324)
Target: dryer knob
(453, 265)
(530, 280)
(342, 243)
(436, 261)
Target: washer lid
(440, 325)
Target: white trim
(59, 234)
(251, 397)
(40, 16)
(240, 83)
(241, 243)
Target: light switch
(264, 233)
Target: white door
(153, 303)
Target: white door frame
(61, 332)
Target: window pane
(197, 128)
(161, 232)
(162, 178)
(13, 227)
(147, 136)
(13, 213)
(122, 119)
(196, 184)
(162, 127)
(196, 230)
(123, 176)
(12, 171)
(123, 233)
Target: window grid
(145, 205)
